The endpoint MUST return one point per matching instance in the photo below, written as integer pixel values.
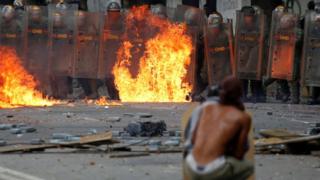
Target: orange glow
(17, 86)
(103, 101)
(283, 66)
(162, 67)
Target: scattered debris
(144, 115)
(129, 114)
(313, 131)
(138, 115)
(155, 143)
(5, 126)
(92, 131)
(58, 138)
(37, 141)
(279, 133)
(146, 129)
(28, 129)
(113, 119)
(69, 114)
(20, 125)
(115, 133)
(134, 129)
(15, 131)
(293, 145)
(95, 140)
(3, 143)
(172, 133)
(172, 142)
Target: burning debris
(17, 86)
(162, 65)
(103, 101)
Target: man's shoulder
(239, 115)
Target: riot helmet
(287, 21)
(249, 13)
(159, 10)
(7, 12)
(113, 6)
(191, 17)
(18, 4)
(215, 19)
(61, 5)
(35, 13)
(279, 9)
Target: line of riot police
(73, 52)
(260, 54)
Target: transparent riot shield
(249, 39)
(62, 48)
(311, 50)
(37, 57)
(219, 52)
(282, 45)
(113, 31)
(194, 18)
(62, 40)
(193, 70)
(89, 39)
(13, 29)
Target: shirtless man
(217, 139)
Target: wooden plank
(25, 148)
(290, 141)
(102, 138)
(279, 133)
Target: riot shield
(282, 45)
(311, 50)
(37, 44)
(62, 40)
(13, 29)
(194, 18)
(219, 52)
(89, 39)
(113, 31)
(249, 39)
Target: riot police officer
(218, 50)
(250, 60)
(284, 54)
(310, 77)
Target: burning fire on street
(163, 64)
(103, 101)
(17, 86)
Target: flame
(17, 86)
(103, 101)
(163, 64)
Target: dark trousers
(256, 88)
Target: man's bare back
(222, 130)
(217, 138)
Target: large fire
(162, 66)
(17, 86)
